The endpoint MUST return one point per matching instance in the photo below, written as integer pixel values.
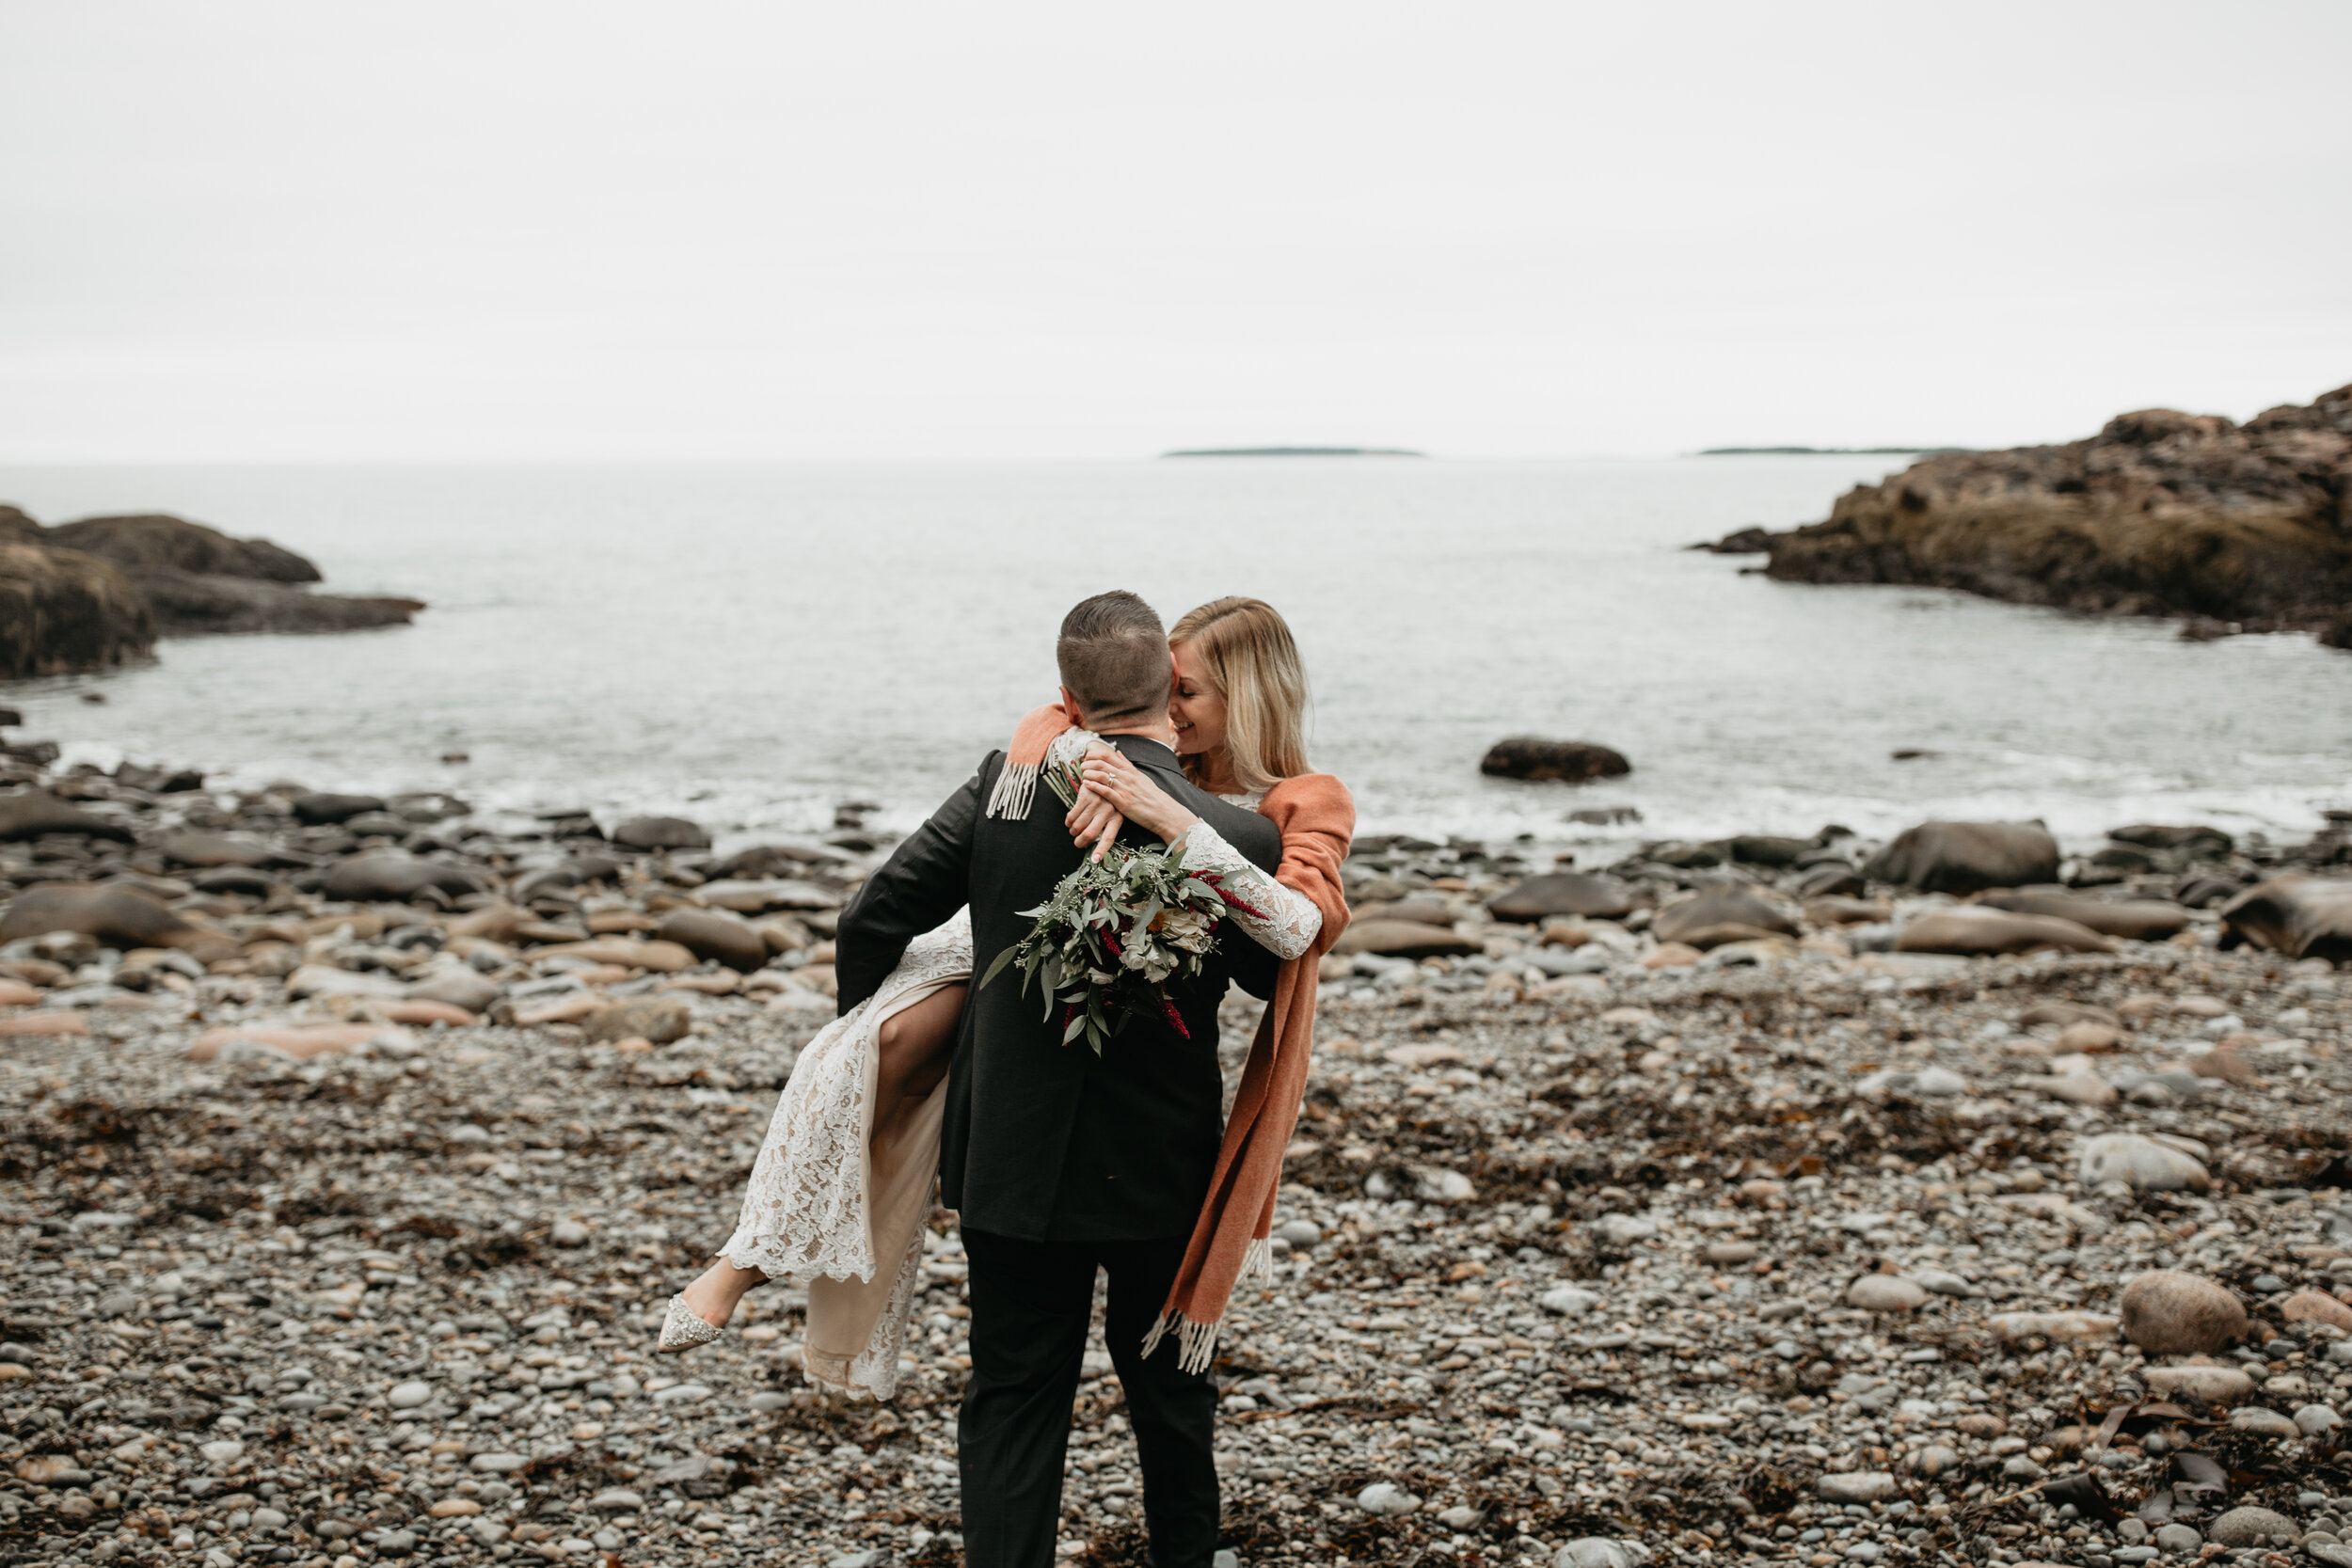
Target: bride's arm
(1287, 921)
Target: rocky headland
(95, 594)
(1776, 1199)
(2245, 527)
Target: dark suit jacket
(1043, 1141)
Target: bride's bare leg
(916, 1043)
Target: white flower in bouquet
(1186, 928)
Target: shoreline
(1708, 1254)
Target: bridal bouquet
(1113, 934)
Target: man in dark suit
(1058, 1161)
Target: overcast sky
(322, 230)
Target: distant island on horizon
(1294, 451)
(1823, 451)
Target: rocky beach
(1757, 1200)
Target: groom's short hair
(1113, 654)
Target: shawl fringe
(1196, 1343)
(1229, 1243)
(1024, 760)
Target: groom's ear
(1071, 710)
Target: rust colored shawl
(1318, 818)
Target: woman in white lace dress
(843, 1184)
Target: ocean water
(750, 646)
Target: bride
(843, 1184)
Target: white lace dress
(832, 1205)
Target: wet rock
(35, 813)
(1561, 893)
(1720, 916)
(753, 898)
(661, 833)
(1967, 857)
(394, 875)
(716, 935)
(115, 913)
(2302, 917)
(2142, 1163)
(2168, 1312)
(2139, 920)
(1571, 761)
(322, 807)
(659, 1018)
(1972, 929)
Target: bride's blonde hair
(1245, 647)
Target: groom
(1060, 1161)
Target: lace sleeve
(1292, 920)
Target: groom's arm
(927, 878)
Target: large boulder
(2303, 916)
(62, 613)
(116, 913)
(1526, 756)
(1967, 857)
(2134, 920)
(2161, 512)
(661, 833)
(1720, 915)
(198, 580)
(34, 813)
(1558, 892)
(716, 935)
(393, 874)
(1972, 929)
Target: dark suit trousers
(1032, 1303)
